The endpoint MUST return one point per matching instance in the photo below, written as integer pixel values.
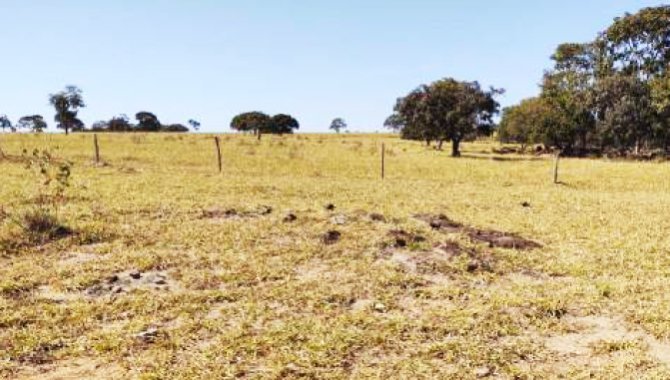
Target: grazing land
(298, 261)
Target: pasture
(298, 261)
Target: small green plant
(54, 177)
(41, 222)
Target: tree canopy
(445, 110)
(611, 95)
(34, 123)
(338, 124)
(5, 123)
(283, 123)
(255, 122)
(67, 104)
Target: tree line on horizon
(68, 102)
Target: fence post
(218, 152)
(383, 160)
(97, 148)
(556, 159)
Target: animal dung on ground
(439, 222)
(331, 237)
(375, 217)
(404, 238)
(290, 217)
(330, 207)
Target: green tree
(625, 112)
(5, 123)
(147, 122)
(181, 128)
(256, 122)
(524, 123)
(67, 104)
(120, 123)
(447, 110)
(639, 44)
(283, 123)
(34, 123)
(338, 124)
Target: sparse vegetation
(300, 266)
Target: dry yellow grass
(161, 280)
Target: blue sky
(314, 59)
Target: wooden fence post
(218, 152)
(97, 148)
(556, 159)
(383, 160)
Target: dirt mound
(439, 222)
(231, 213)
(498, 239)
(331, 237)
(403, 238)
(494, 239)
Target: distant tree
(338, 124)
(100, 126)
(5, 123)
(256, 122)
(283, 123)
(447, 110)
(34, 123)
(524, 123)
(67, 104)
(120, 123)
(147, 122)
(194, 124)
(175, 128)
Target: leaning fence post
(383, 160)
(97, 148)
(556, 159)
(218, 152)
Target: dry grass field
(298, 261)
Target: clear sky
(314, 59)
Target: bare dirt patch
(439, 260)
(82, 368)
(132, 280)
(48, 293)
(613, 332)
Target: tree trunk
(439, 144)
(455, 148)
(259, 135)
